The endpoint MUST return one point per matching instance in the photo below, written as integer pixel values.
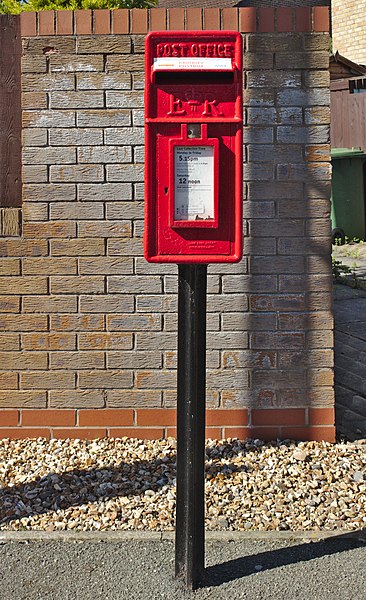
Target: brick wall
(348, 29)
(88, 327)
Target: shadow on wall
(288, 247)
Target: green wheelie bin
(348, 194)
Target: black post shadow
(74, 487)
(247, 565)
(60, 491)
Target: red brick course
(158, 19)
(46, 22)
(9, 418)
(303, 19)
(176, 19)
(28, 23)
(284, 17)
(83, 22)
(51, 418)
(120, 21)
(229, 18)
(266, 22)
(321, 18)
(270, 417)
(102, 21)
(193, 19)
(248, 20)
(140, 21)
(104, 417)
(158, 423)
(211, 18)
(64, 22)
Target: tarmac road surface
(272, 568)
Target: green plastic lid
(347, 153)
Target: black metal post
(190, 511)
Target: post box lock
(193, 160)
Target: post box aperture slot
(194, 78)
(193, 183)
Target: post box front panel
(193, 148)
(194, 99)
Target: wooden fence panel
(10, 111)
(348, 123)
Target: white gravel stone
(129, 484)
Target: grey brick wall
(87, 323)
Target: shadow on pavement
(242, 567)
(60, 491)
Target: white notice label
(193, 64)
(193, 183)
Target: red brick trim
(229, 19)
(20, 433)
(102, 21)
(247, 20)
(154, 423)
(211, 18)
(81, 433)
(227, 417)
(316, 434)
(149, 433)
(303, 19)
(236, 432)
(265, 433)
(117, 417)
(193, 18)
(158, 20)
(46, 22)
(150, 417)
(64, 22)
(284, 19)
(47, 417)
(9, 418)
(321, 18)
(120, 20)
(140, 21)
(83, 22)
(28, 24)
(266, 22)
(214, 433)
(176, 18)
(321, 416)
(275, 416)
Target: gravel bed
(129, 484)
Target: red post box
(193, 162)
